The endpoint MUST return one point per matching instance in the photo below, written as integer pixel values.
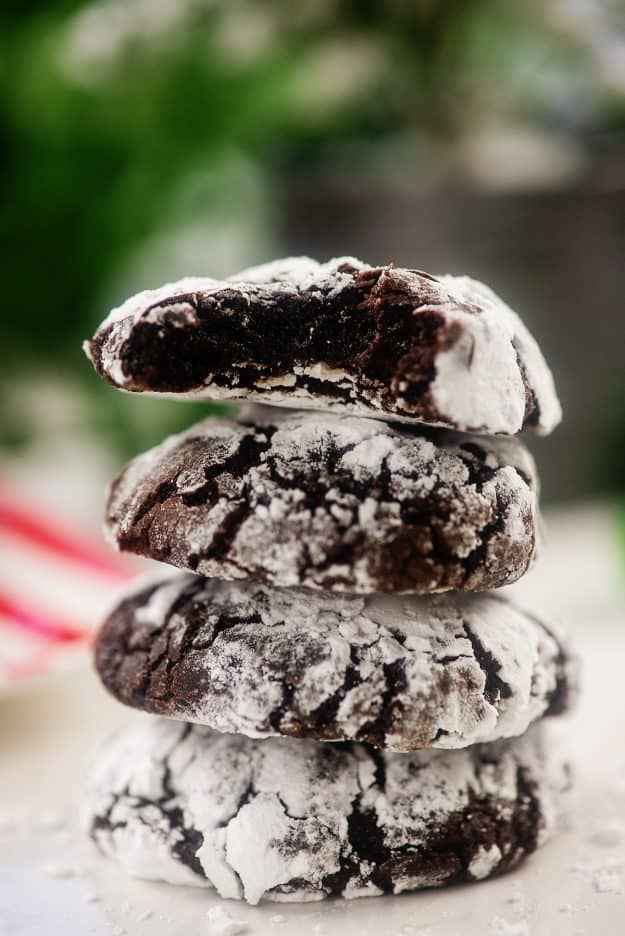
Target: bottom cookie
(293, 820)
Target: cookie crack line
(376, 731)
(249, 454)
(382, 341)
(494, 687)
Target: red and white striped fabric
(56, 582)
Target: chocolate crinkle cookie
(331, 502)
(398, 673)
(373, 341)
(291, 820)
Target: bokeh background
(147, 139)
(143, 140)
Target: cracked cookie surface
(398, 673)
(332, 502)
(291, 820)
(386, 342)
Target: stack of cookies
(346, 705)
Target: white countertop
(52, 883)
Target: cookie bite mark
(385, 341)
(167, 358)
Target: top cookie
(373, 341)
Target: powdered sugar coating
(343, 335)
(486, 374)
(331, 502)
(399, 673)
(294, 820)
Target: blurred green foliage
(133, 130)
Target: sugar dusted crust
(342, 335)
(291, 820)
(398, 673)
(339, 503)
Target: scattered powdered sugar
(269, 818)
(501, 927)
(220, 922)
(607, 881)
